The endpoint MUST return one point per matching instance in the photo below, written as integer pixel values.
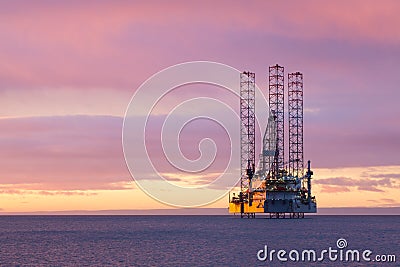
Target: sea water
(192, 240)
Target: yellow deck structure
(256, 207)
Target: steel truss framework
(276, 105)
(247, 129)
(295, 100)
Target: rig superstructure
(275, 187)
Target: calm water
(185, 240)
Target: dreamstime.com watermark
(333, 254)
(153, 152)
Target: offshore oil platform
(276, 187)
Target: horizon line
(208, 211)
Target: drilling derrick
(247, 132)
(276, 187)
(295, 99)
(276, 105)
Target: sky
(68, 70)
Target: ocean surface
(189, 240)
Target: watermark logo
(341, 243)
(340, 253)
(163, 121)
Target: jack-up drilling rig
(276, 187)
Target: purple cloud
(385, 202)
(69, 152)
(348, 55)
(387, 175)
(334, 184)
(334, 189)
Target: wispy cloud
(334, 189)
(47, 192)
(92, 64)
(62, 189)
(386, 175)
(62, 150)
(385, 202)
(369, 188)
(336, 184)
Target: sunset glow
(68, 70)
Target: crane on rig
(275, 187)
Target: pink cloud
(369, 188)
(345, 50)
(336, 184)
(386, 175)
(334, 189)
(189, 140)
(66, 186)
(336, 142)
(385, 202)
(85, 44)
(47, 192)
(85, 152)
(11, 191)
(388, 200)
(65, 151)
(66, 193)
